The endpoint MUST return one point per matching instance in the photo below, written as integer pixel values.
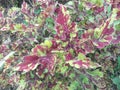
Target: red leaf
(107, 31)
(30, 58)
(62, 19)
(29, 63)
(54, 44)
(68, 56)
(98, 9)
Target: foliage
(49, 45)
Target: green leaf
(109, 8)
(33, 88)
(72, 35)
(18, 27)
(48, 43)
(37, 11)
(49, 20)
(54, 32)
(80, 6)
(118, 60)
(73, 85)
(84, 79)
(96, 73)
(89, 12)
(50, 26)
(39, 20)
(97, 2)
(45, 71)
(63, 69)
(117, 27)
(116, 81)
(22, 83)
(31, 74)
(72, 75)
(91, 19)
(81, 56)
(117, 24)
(64, 44)
(25, 22)
(1, 55)
(70, 3)
(97, 32)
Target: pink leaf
(109, 38)
(3, 48)
(24, 8)
(102, 44)
(81, 64)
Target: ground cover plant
(60, 45)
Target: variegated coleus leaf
(63, 16)
(41, 59)
(101, 36)
(105, 37)
(81, 61)
(43, 48)
(78, 64)
(3, 48)
(86, 47)
(64, 28)
(29, 63)
(41, 63)
(116, 40)
(47, 63)
(39, 50)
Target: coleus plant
(65, 48)
(66, 41)
(45, 56)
